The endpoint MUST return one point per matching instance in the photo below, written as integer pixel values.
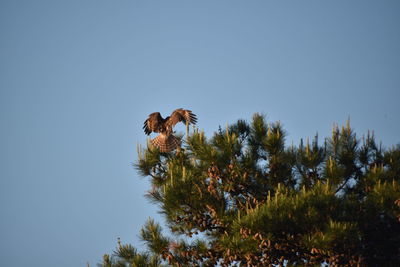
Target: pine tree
(244, 198)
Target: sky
(78, 78)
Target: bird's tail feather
(166, 143)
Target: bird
(166, 141)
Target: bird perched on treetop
(166, 141)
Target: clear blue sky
(78, 78)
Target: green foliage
(259, 202)
(127, 255)
(151, 235)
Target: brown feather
(166, 141)
(155, 123)
(181, 115)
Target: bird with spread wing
(166, 141)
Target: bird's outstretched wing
(153, 123)
(182, 115)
